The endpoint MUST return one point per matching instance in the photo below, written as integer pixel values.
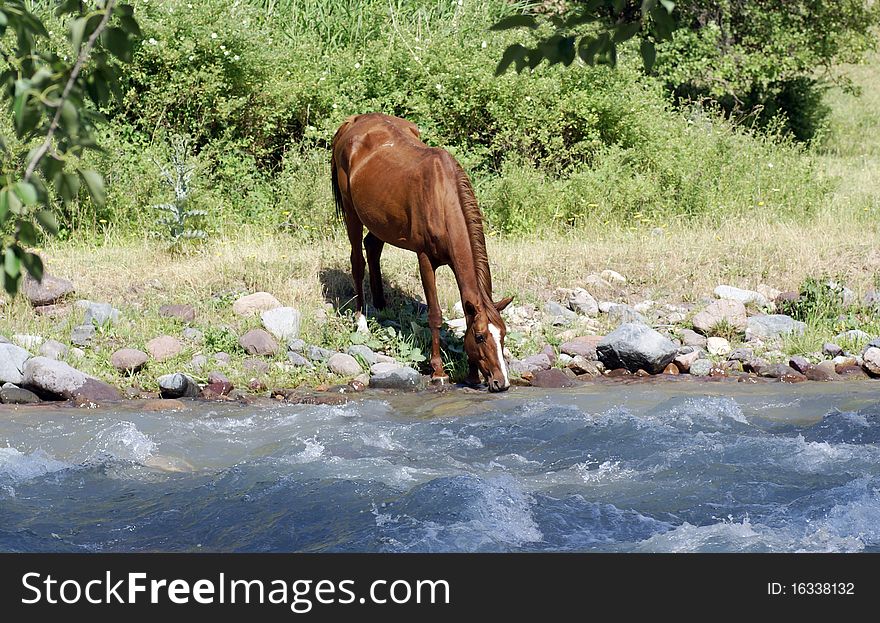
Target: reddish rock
(824, 371)
(129, 360)
(164, 347)
(184, 313)
(550, 352)
(585, 346)
(551, 379)
(851, 372)
(618, 372)
(258, 342)
(671, 369)
(172, 404)
(799, 363)
(46, 292)
(53, 311)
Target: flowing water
(677, 466)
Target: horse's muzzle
(497, 386)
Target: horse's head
(484, 343)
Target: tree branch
(74, 74)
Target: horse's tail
(334, 174)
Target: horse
(418, 198)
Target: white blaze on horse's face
(496, 337)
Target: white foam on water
(815, 457)
(18, 467)
(121, 440)
(382, 440)
(313, 451)
(606, 471)
(718, 410)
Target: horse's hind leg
(355, 229)
(374, 251)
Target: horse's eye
(480, 338)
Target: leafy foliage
(51, 119)
(181, 222)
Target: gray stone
(222, 358)
(177, 385)
(282, 322)
(53, 349)
(728, 311)
(193, 335)
(198, 362)
(772, 326)
(255, 366)
(17, 396)
(582, 302)
(583, 366)
(31, 342)
(296, 345)
(800, 363)
(872, 298)
(559, 315)
(553, 378)
(258, 342)
(57, 378)
(692, 338)
(780, 371)
(344, 365)
(98, 313)
(537, 362)
(402, 377)
(252, 303)
(298, 360)
(316, 353)
(831, 349)
(82, 335)
(700, 367)
(743, 296)
(12, 360)
(871, 360)
(182, 312)
(823, 371)
(683, 361)
(384, 366)
(718, 346)
(365, 352)
(46, 292)
(612, 277)
(164, 347)
(4, 339)
(584, 346)
(621, 313)
(129, 360)
(741, 354)
(635, 346)
(854, 335)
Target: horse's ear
(500, 305)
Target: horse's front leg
(435, 317)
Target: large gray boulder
(582, 302)
(402, 377)
(46, 292)
(12, 360)
(177, 385)
(772, 325)
(50, 376)
(636, 346)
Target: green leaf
(649, 53)
(117, 41)
(27, 233)
(67, 185)
(70, 117)
(77, 31)
(668, 4)
(11, 264)
(515, 21)
(47, 220)
(4, 204)
(625, 32)
(648, 6)
(26, 192)
(33, 264)
(130, 25)
(95, 185)
(15, 205)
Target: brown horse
(419, 198)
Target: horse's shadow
(406, 313)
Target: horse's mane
(474, 221)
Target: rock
(843, 360)
(778, 371)
(216, 389)
(31, 342)
(401, 377)
(458, 326)
(633, 346)
(671, 369)
(296, 345)
(582, 302)
(344, 365)
(383, 366)
(692, 338)
(854, 335)
(790, 296)
(12, 360)
(701, 367)
(683, 361)
(732, 366)
(718, 346)
(831, 349)
(743, 296)
(129, 360)
(584, 346)
(11, 395)
(177, 385)
(742, 355)
(221, 358)
(258, 342)
(872, 299)
(548, 350)
(844, 295)
(551, 378)
(282, 322)
(298, 360)
(620, 313)
(53, 349)
(851, 372)
(193, 335)
(59, 379)
(458, 310)
(582, 366)
(772, 325)
(605, 306)
(77, 352)
(182, 312)
(728, 311)
(871, 360)
(800, 363)
(823, 371)
(98, 313)
(252, 303)
(595, 282)
(52, 311)
(618, 372)
(316, 353)
(365, 352)
(164, 347)
(768, 292)
(82, 335)
(875, 343)
(218, 377)
(612, 277)
(46, 292)
(198, 362)
(643, 307)
(4, 340)
(559, 315)
(537, 362)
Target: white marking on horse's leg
(496, 334)
(362, 324)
